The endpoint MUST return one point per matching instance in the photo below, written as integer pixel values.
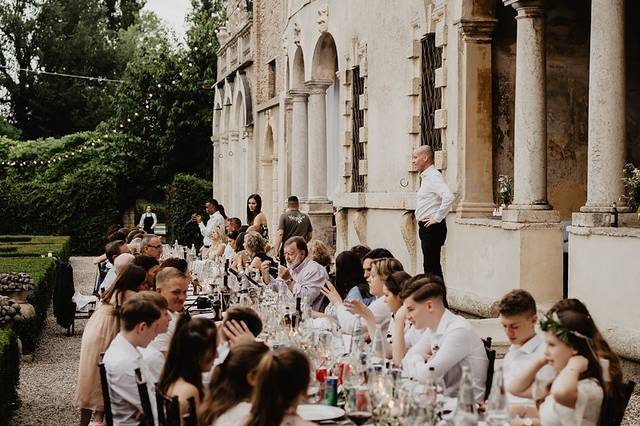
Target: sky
(172, 12)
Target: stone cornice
(318, 87)
(477, 29)
(526, 8)
(298, 95)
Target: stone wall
(268, 18)
(567, 43)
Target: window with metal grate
(357, 147)
(431, 96)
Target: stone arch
(297, 70)
(268, 172)
(476, 8)
(325, 58)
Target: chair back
(491, 356)
(191, 419)
(106, 399)
(147, 419)
(168, 409)
(627, 391)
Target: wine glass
(358, 407)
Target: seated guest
(241, 257)
(282, 379)
(518, 316)
(151, 246)
(448, 345)
(149, 264)
(136, 233)
(361, 251)
(175, 262)
(135, 245)
(377, 253)
(112, 251)
(172, 285)
(140, 320)
(303, 277)
(227, 403)
(218, 243)
(191, 352)
(98, 333)
(321, 253)
(240, 324)
(348, 313)
(577, 393)
(255, 246)
(350, 284)
(233, 225)
(120, 262)
(256, 218)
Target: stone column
(317, 151)
(607, 123)
(216, 164)
(223, 183)
(299, 144)
(477, 117)
(530, 145)
(231, 177)
(251, 164)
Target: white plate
(318, 412)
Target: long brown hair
(130, 278)
(281, 378)
(229, 385)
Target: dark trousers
(432, 239)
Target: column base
(321, 214)
(520, 214)
(468, 209)
(602, 219)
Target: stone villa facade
(326, 99)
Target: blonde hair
(219, 231)
(386, 266)
(320, 252)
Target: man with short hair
(233, 227)
(216, 220)
(140, 320)
(433, 201)
(303, 276)
(518, 316)
(292, 223)
(449, 343)
(172, 284)
(151, 246)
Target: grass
(25, 246)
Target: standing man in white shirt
(433, 201)
(448, 344)
(518, 316)
(216, 219)
(140, 320)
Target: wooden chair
(108, 414)
(491, 355)
(627, 391)
(168, 409)
(147, 412)
(191, 418)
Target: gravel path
(47, 383)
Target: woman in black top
(256, 219)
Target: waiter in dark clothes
(433, 201)
(148, 220)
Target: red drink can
(321, 374)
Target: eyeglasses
(158, 246)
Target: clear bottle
(377, 347)
(430, 388)
(466, 414)
(497, 409)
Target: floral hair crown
(554, 325)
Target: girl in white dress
(575, 397)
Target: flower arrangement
(631, 182)
(505, 190)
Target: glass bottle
(377, 347)
(466, 414)
(497, 411)
(430, 388)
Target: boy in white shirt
(518, 316)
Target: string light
(59, 74)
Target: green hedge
(9, 371)
(186, 195)
(42, 270)
(37, 246)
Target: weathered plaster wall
(567, 40)
(268, 21)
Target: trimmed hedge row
(37, 246)
(186, 195)
(9, 371)
(43, 272)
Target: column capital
(477, 30)
(526, 8)
(298, 95)
(318, 87)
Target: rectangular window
(357, 148)
(271, 80)
(431, 96)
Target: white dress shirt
(458, 346)
(309, 277)
(145, 215)
(108, 281)
(518, 359)
(153, 354)
(215, 220)
(120, 360)
(378, 307)
(434, 197)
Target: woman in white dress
(575, 397)
(227, 402)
